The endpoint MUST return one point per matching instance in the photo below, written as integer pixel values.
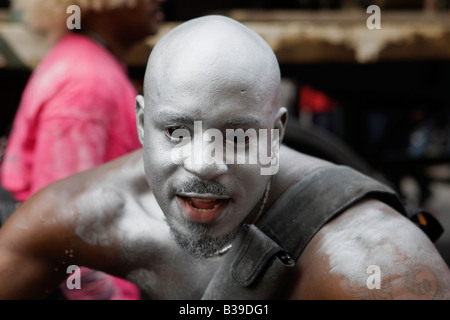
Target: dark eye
(177, 134)
(169, 132)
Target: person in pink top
(77, 110)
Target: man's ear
(140, 108)
(281, 119)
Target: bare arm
(32, 259)
(64, 224)
(372, 252)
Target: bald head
(213, 54)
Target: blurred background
(378, 100)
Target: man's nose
(206, 171)
(204, 166)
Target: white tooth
(205, 210)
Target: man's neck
(103, 31)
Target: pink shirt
(77, 111)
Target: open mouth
(203, 209)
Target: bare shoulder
(372, 252)
(88, 194)
(81, 211)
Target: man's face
(204, 201)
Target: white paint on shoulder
(367, 236)
(99, 211)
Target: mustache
(202, 187)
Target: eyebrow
(174, 117)
(244, 121)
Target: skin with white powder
(370, 234)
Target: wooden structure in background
(297, 36)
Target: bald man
(213, 205)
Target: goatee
(201, 246)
